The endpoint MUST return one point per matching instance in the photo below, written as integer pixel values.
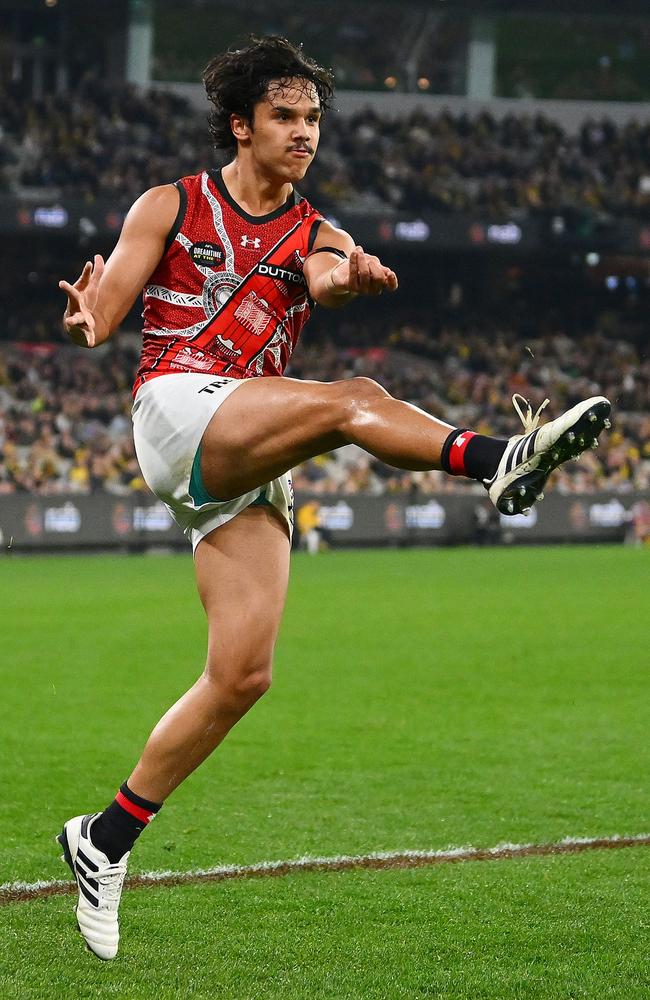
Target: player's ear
(241, 127)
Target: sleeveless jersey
(229, 296)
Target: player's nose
(301, 130)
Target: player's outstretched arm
(333, 281)
(102, 295)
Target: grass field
(422, 700)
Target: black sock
(477, 456)
(116, 830)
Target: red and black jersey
(229, 296)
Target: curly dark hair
(236, 80)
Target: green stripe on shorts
(199, 493)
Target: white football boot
(100, 886)
(530, 457)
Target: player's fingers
(82, 338)
(74, 298)
(363, 269)
(77, 329)
(376, 276)
(375, 286)
(98, 267)
(391, 280)
(82, 281)
(353, 283)
(376, 270)
(384, 278)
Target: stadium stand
(116, 142)
(65, 425)
(101, 140)
(64, 414)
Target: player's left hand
(363, 274)
(78, 319)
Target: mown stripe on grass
(17, 892)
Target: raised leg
(270, 425)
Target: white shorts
(170, 415)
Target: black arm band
(339, 253)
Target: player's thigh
(242, 571)
(269, 425)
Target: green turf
(422, 699)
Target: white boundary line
(23, 891)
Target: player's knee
(354, 395)
(364, 389)
(358, 394)
(238, 688)
(250, 686)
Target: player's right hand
(363, 274)
(78, 319)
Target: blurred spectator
(64, 423)
(309, 527)
(116, 142)
(65, 415)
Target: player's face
(286, 129)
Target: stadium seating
(117, 142)
(64, 413)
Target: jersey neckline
(255, 220)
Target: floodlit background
(498, 160)
(444, 677)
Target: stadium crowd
(516, 165)
(97, 141)
(65, 413)
(116, 142)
